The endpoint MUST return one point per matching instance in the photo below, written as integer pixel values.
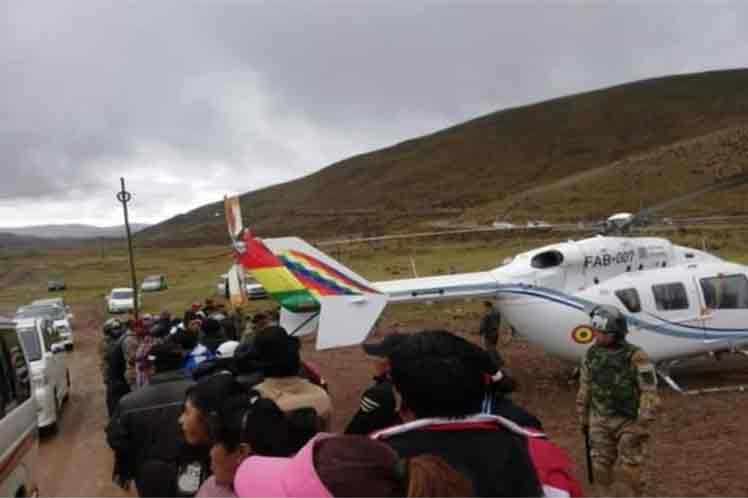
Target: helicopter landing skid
(663, 370)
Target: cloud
(189, 100)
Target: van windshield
(32, 346)
(122, 295)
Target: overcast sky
(189, 100)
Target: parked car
(153, 283)
(55, 284)
(54, 311)
(50, 377)
(120, 300)
(254, 289)
(19, 438)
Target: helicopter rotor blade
(726, 184)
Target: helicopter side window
(547, 259)
(725, 292)
(630, 299)
(669, 297)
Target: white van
(50, 376)
(19, 439)
(58, 313)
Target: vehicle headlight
(39, 380)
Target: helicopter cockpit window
(630, 299)
(725, 292)
(547, 259)
(670, 297)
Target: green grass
(192, 273)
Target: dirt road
(76, 461)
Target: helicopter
(679, 301)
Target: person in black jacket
(212, 335)
(379, 407)
(116, 385)
(144, 430)
(442, 380)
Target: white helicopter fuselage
(672, 313)
(547, 294)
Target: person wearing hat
(355, 466)
(616, 401)
(379, 405)
(278, 355)
(144, 430)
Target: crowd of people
(203, 406)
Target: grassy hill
(580, 156)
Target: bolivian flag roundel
(583, 334)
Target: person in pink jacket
(350, 465)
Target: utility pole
(124, 197)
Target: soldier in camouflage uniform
(616, 401)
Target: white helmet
(226, 349)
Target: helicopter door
(725, 308)
(677, 303)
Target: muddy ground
(700, 443)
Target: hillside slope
(475, 170)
